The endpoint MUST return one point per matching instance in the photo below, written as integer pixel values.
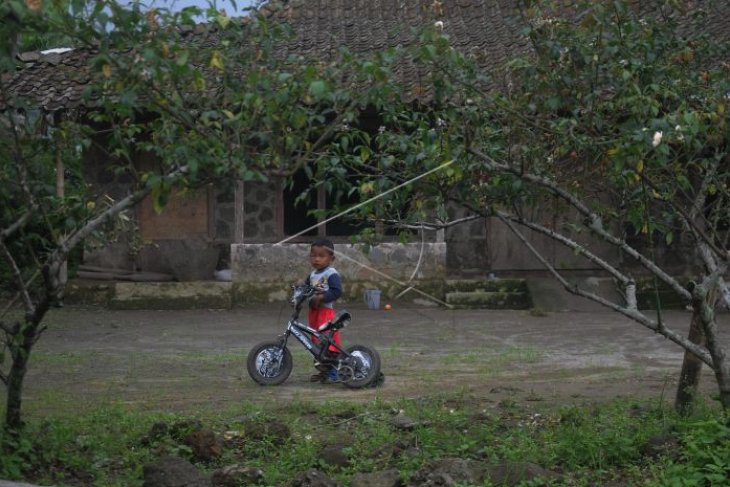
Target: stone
(158, 431)
(384, 478)
(205, 444)
(274, 431)
(313, 478)
(510, 474)
(402, 422)
(390, 450)
(235, 475)
(449, 471)
(334, 455)
(170, 471)
(664, 444)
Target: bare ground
(186, 360)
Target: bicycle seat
(338, 322)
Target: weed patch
(579, 445)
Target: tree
(618, 122)
(208, 103)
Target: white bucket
(372, 298)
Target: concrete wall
(267, 270)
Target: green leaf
(183, 58)
(318, 88)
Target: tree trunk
(20, 351)
(689, 378)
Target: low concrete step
(151, 295)
(487, 285)
(489, 300)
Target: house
(238, 225)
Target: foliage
(705, 460)
(610, 139)
(197, 104)
(596, 443)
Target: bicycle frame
(304, 335)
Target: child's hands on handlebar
(316, 300)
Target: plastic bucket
(372, 298)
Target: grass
(589, 445)
(492, 361)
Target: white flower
(440, 122)
(381, 129)
(680, 136)
(439, 25)
(657, 138)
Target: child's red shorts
(320, 316)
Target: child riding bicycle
(328, 283)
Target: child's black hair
(323, 242)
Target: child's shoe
(332, 376)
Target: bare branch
(68, 244)
(570, 243)
(420, 225)
(38, 333)
(19, 223)
(592, 220)
(23, 287)
(690, 222)
(707, 317)
(633, 314)
(15, 298)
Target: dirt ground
(185, 360)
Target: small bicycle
(270, 363)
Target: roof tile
(491, 30)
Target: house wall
(260, 208)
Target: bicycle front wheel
(269, 364)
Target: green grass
(494, 360)
(591, 445)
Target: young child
(327, 280)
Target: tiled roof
(491, 30)
(52, 81)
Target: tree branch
(11, 303)
(59, 255)
(420, 225)
(29, 306)
(19, 223)
(633, 314)
(592, 220)
(689, 221)
(570, 243)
